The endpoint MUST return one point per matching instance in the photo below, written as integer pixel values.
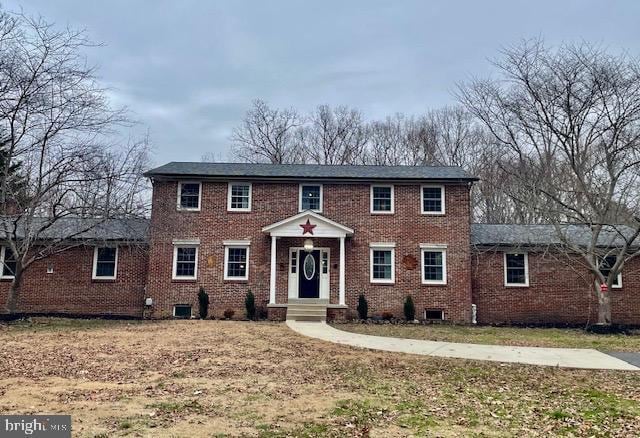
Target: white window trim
(230, 184)
(526, 269)
(174, 309)
(174, 276)
(226, 260)
(442, 195)
(613, 286)
(2, 276)
(392, 199)
(94, 275)
(300, 196)
(424, 247)
(383, 246)
(179, 207)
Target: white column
(342, 270)
(272, 282)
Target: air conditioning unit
(148, 301)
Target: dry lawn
(528, 337)
(213, 378)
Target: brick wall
(70, 289)
(347, 204)
(559, 292)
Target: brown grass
(521, 336)
(212, 378)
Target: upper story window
(434, 264)
(8, 263)
(189, 196)
(311, 197)
(105, 263)
(239, 197)
(185, 262)
(432, 198)
(382, 257)
(236, 260)
(606, 264)
(382, 199)
(516, 269)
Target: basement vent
(182, 311)
(434, 314)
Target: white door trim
(325, 279)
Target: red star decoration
(307, 228)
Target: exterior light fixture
(308, 245)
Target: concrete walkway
(557, 357)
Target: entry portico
(308, 266)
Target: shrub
(363, 307)
(387, 316)
(228, 314)
(203, 301)
(250, 305)
(409, 309)
(262, 312)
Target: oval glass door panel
(309, 267)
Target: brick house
(307, 240)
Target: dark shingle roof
(515, 234)
(309, 171)
(130, 229)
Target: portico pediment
(307, 224)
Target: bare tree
(388, 142)
(54, 124)
(568, 124)
(334, 135)
(267, 135)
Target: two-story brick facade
(311, 235)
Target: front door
(309, 274)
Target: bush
(409, 309)
(203, 301)
(363, 307)
(262, 312)
(250, 305)
(387, 316)
(228, 314)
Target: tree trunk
(14, 293)
(604, 307)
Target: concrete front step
(307, 311)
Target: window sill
(383, 283)
(238, 211)
(6, 279)
(382, 213)
(188, 210)
(433, 213)
(516, 285)
(236, 280)
(184, 280)
(434, 284)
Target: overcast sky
(188, 70)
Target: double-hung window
(382, 256)
(105, 263)
(185, 261)
(239, 197)
(516, 269)
(311, 197)
(236, 260)
(606, 263)
(8, 263)
(189, 196)
(433, 264)
(432, 199)
(381, 199)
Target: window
(105, 263)
(516, 269)
(182, 311)
(311, 197)
(325, 262)
(189, 196)
(185, 262)
(434, 314)
(605, 268)
(382, 199)
(294, 261)
(434, 264)
(236, 259)
(8, 263)
(432, 199)
(382, 262)
(239, 197)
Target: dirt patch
(208, 378)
